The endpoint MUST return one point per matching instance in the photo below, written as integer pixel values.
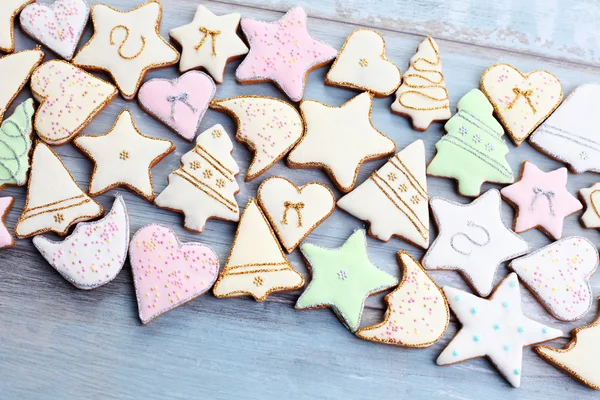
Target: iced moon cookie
(591, 198)
(9, 9)
(168, 273)
(15, 145)
(94, 253)
(6, 239)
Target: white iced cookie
(423, 97)
(94, 253)
(15, 70)
(256, 265)
(127, 45)
(209, 42)
(294, 212)
(362, 64)
(9, 9)
(204, 186)
(591, 198)
(340, 139)
(123, 156)
(394, 200)
(54, 201)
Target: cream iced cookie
(256, 265)
(268, 126)
(340, 139)
(394, 200)
(15, 145)
(210, 41)
(6, 239)
(591, 198)
(363, 65)
(54, 201)
(124, 156)
(423, 96)
(294, 212)
(127, 45)
(94, 253)
(9, 9)
(521, 101)
(204, 186)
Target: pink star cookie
(283, 52)
(542, 200)
(6, 239)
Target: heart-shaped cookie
(294, 212)
(179, 103)
(167, 273)
(362, 65)
(521, 101)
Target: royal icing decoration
(168, 273)
(70, 98)
(269, 127)
(209, 42)
(559, 276)
(178, 103)
(362, 64)
(542, 200)
(591, 198)
(342, 279)
(521, 102)
(423, 96)
(340, 139)
(294, 212)
(15, 70)
(9, 9)
(6, 239)
(256, 264)
(417, 312)
(54, 201)
(15, 145)
(394, 200)
(472, 240)
(282, 52)
(204, 186)
(472, 152)
(58, 25)
(94, 253)
(124, 156)
(127, 45)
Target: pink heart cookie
(178, 103)
(167, 273)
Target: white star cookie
(591, 198)
(9, 9)
(15, 70)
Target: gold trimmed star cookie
(9, 9)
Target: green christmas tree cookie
(15, 145)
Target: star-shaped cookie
(472, 240)
(340, 139)
(542, 200)
(209, 42)
(591, 198)
(127, 45)
(6, 239)
(342, 279)
(123, 157)
(9, 9)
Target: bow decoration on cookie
(549, 194)
(182, 97)
(296, 206)
(213, 34)
(525, 93)
(112, 42)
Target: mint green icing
(15, 144)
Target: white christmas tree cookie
(9, 9)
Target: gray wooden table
(60, 342)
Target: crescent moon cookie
(559, 276)
(363, 65)
(417, 312)
(394, 200)
(294, 212)
(127, 45)
(168, 273)
(9, 9)
(268, 126)
(591, 198)
(282, 52)
(542, 200)
(210, 42)
(54, 201)
(340, 139)
(472, 240)
(423, 97)
(123, 156)
(94, 253)
(204, 186)
(6, 239)
(15, 145)
(521, 101)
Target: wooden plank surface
(60, 342)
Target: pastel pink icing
(6, 238)
(167, 273)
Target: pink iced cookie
(178, 103)
(6, 239)
(283, 52)
(167, 273)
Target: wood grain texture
(60, 342)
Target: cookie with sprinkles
(9, 9)
(591, 198)
(6, 239)
(16, 134)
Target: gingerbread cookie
(282, 52)
(127, 45)
(6, 239)
(15, 145)
(394, 200)
(340, 139)
(94, 253)
(591, 198)
(9, 9)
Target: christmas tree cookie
(15, 145)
